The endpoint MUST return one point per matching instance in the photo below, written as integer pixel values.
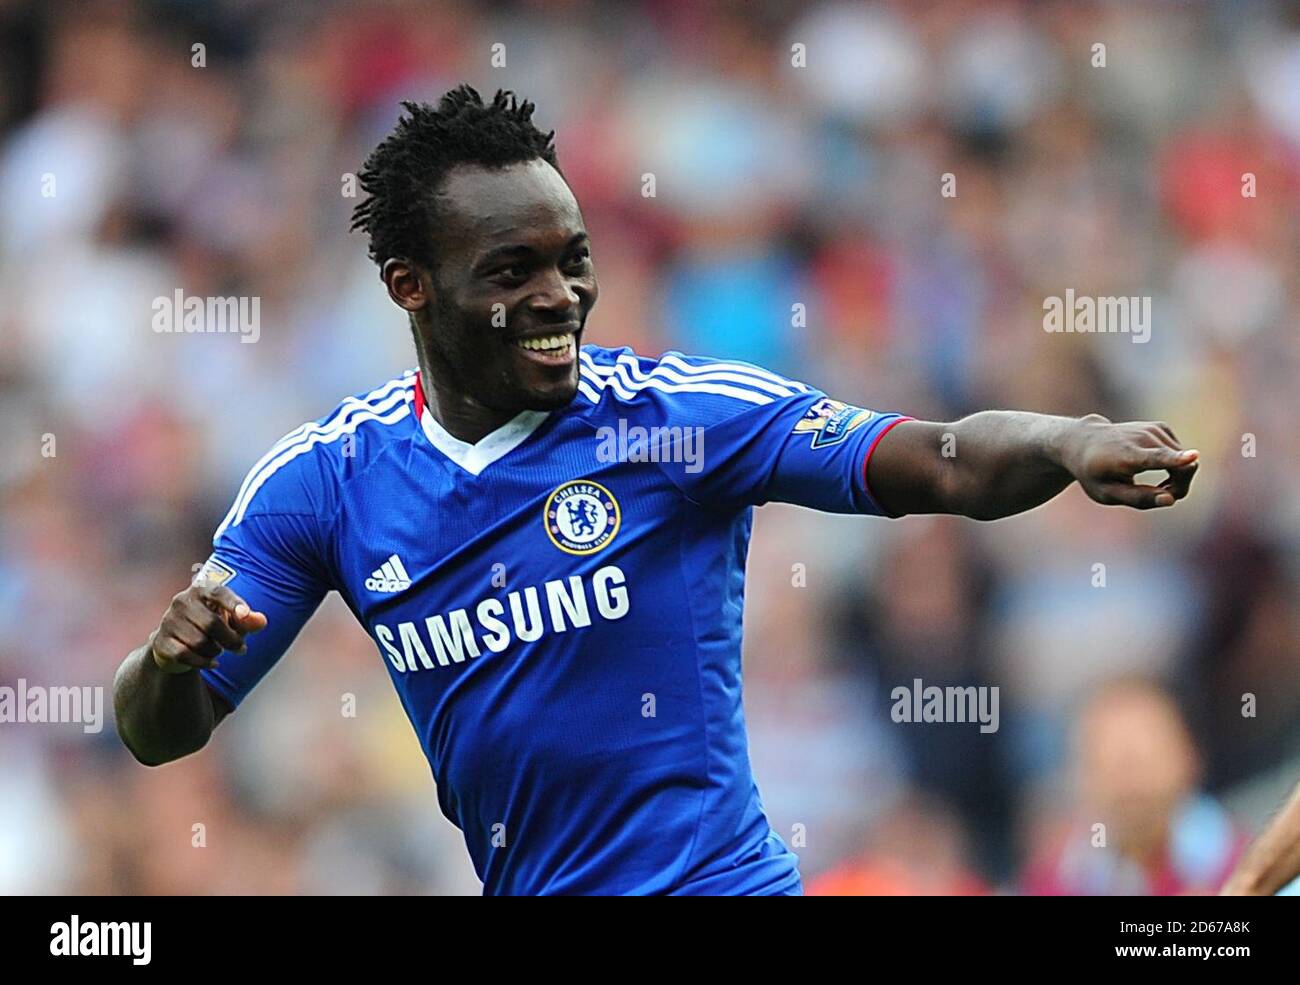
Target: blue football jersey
(559, 605)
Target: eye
(515, 273)
(580, 258)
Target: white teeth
(551, 343)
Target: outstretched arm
(1273, 860)
(997, 463)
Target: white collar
(475, 458)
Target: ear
(407, 284)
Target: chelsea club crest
(581, 517)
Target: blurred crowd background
(776, 184)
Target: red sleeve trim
(866, 460)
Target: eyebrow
(511, 251)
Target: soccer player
(546, 540)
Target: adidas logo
(390, 576)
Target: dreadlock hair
(402, 175)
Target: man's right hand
(201, 623)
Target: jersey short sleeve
(734, 434)
(269, 550)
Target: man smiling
(563, 625)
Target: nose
(555, 296)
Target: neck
(460, 416)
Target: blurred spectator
(917, 849)
(1142, 826)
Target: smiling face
(510, 294)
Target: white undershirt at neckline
(474, 458)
